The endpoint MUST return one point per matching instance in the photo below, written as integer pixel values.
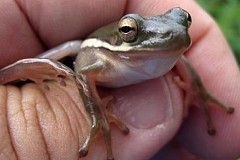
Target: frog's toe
(112, 117)
(83, 152)
(230, 110)
(211, 131)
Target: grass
(226, 13)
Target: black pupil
(189, 18)
(126, 29)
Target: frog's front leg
(197, 94)
(87, 68)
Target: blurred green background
(227, 15)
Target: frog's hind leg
(197, 94)
(36, 70)
(70, 48)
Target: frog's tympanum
(129, 51)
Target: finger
(34, 26)
(59, 21)
(42, 122)
(17, 38)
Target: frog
(134, 49)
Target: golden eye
(127, 28)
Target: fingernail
(144, 105)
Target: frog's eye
(189, 19)
(127, 28)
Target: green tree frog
(130, 51)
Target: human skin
(30, 130)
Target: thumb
(153, 112)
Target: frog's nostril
(166, 34)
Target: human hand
(45, 24)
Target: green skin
(159, 43)
(107, 59)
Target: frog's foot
(98, 124)
(101, 117)
(113, 118)
(197, 94)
